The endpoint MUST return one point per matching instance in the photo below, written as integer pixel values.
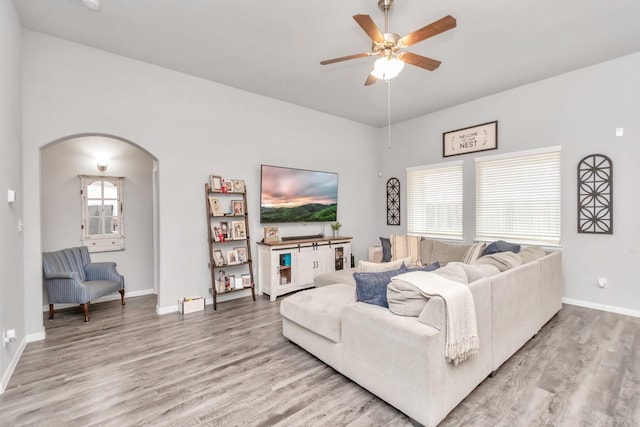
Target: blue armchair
(71, 277)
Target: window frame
(504, 183)
(103, 242)
(440, 176)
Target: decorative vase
(335, 233)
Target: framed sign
(469, 140)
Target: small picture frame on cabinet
(218, 258)
(237, 186)
(237, 207)
(238, 230)
(216, 210)
(271, 235)
(215, 183)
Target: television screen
(297, 195)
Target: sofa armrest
(103, 271)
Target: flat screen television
(297, 195)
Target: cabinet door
(311, 262)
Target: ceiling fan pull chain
(388, 82)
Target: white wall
(60, 198)
(194, 128)
(579, 111)
(11, 251)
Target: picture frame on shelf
(246, 280)
(215, 232)
(232, 257)
(237, 207)
(238, 230)
(238, 283)
(215, 183)
(271, 235)
(221, 282)
(216, 209)
(237, 186)
(224, 229)
(241, 254)
(219, 258)
(229, 284)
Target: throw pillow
(473, 253)
(501, 246)
(476, 271)
(372, 287)
(503, 260)
(386, 249)
(445, 252)
(378, 267)
(531, 253)
(405, 246)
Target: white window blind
(434, 200)
(518, 197)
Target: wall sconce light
(102, 163)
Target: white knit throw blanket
(461, 339)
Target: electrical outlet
(602, 282)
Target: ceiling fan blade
(433, 29)
(345, 58)
(369, 27)
(370, 79)
(419, 60)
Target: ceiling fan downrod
(385, 6)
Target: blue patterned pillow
(372, 287)
(386, 249)
(501, 246)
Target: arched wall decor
(595, 195)
(393, 201)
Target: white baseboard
(111, 297)
(602, 307)
(12, 365)
(207, 301)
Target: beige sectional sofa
(401, 359)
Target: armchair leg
(122, 295)
(50, 311)
(85, 309)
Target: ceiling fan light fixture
(387, 68)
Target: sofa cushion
(473, 253)
(501, 246)
(453, 271)
(446, 252)
(339, 276)
(320, 309)
(531, 253)
(503, 260)
(378, 267)
(372, 287)
(386, 249)
(476, 271)
(405, 246)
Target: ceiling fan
(388, 45)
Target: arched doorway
(62, 162)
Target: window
(102, 219)
(518, 197)
(434, 200)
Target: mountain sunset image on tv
(297, 195)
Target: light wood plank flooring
(232, 367)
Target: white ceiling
(274, 48)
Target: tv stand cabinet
(290, 266)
